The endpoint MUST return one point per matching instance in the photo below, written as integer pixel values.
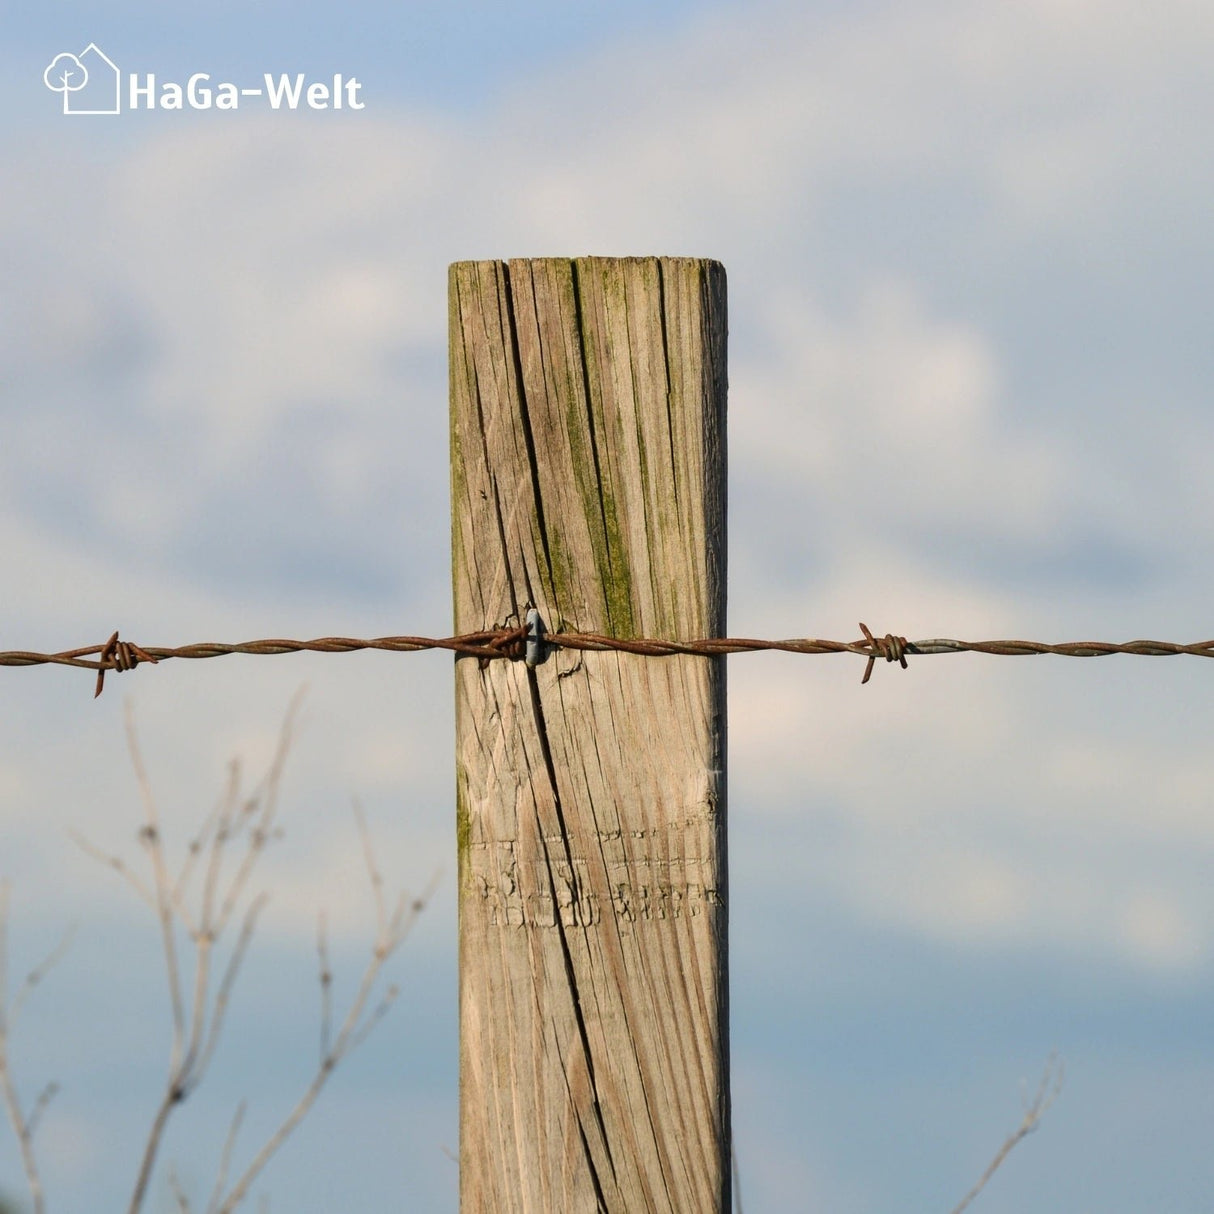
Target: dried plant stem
(25, 1138)
(225, 1161)
(179, 1196)
(326, 985)
(198, 1012)
(200, 904)
(24, 1127)
(1046, 1094)
(354, 1029)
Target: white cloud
(889, 416)
(265, 276)
(1158, 931)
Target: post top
(588, 260)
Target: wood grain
(588, 478)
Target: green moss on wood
(463, 819)
(610, 552)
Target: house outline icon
(102, 93)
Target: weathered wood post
(588, 478)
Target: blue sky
(968, 252)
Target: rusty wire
(510, 643)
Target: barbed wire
(534, 644)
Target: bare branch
(326, 985)
(38, 973)
(196, 1030)
(327, 1065)
(266, 798)
(187, 1070)
(22, 1128)
(116, 863)
(381, 1010)
(225, 1160)
(224, 995)
(354, 1028)
(394, 926)
(297, 1114)
(224, 807)
(152, 838)
(376, 878)
(47, 1094)
(165, 907)
(203, 951)
(173, 1095)
(1047, 1092)
(219, 839)
(198, 1022)
(183, 1202)
(407, 910)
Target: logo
(91, 83)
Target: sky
(968, 252)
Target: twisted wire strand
(510, 643)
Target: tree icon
(65, 74)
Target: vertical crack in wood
(661, 306)
(501, 531)
(525, 418)
(546, 752)
(570, 972)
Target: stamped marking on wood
(642, 887)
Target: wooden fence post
(588, 479)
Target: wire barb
(119, 655)
(889, 647)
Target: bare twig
(224, 995)
(47, 1094)
(201, 902)
(225, 1160)
(259, 813)
(326, 985)
(153, 840)
(117, 863)
(357, 1024)
(382, 1008)
(179, 1196)
(197, 1020)
(377, 881)
(37, 974)
(223, 808)
(23, 1127)
(1047, 1092)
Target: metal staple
(510, 643)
